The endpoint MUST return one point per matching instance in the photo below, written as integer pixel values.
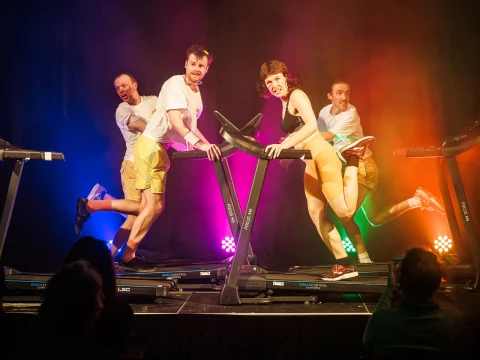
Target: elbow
(312, 128)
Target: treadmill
(252, 284)
(133, 286)
(459, 216)
(189, 275)
(29, 286)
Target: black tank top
(291, 123)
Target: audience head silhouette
(420, 274)
(97, 254)
(73, 300)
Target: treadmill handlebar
(460, 145)
(456, 146)
(419, 152)
(249, 145)
(20, 154)
(227, 149)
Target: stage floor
(207, 302)
(192, 325)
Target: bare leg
(107, 196)
(317, 210)
(351, 228)
(130, 207)
(345, 204)
(122, 234)
(155, 203)
(377, 216)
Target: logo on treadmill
(39, 286)
(248, 219)
(174, 275)
(312, 286)
(230, 213)
(123, 289)
(465, 212)
(204, 273)
(278, 283)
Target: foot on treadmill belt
(429, 201)
(82, 215)
(135, 265)
(340, 272)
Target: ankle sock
(364, 258)
(99, 205)
(353, 160)
(414, 202)
(345, 261)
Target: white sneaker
(97, 192)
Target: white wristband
(191, 138)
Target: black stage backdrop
(413, 67)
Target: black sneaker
(135, 265)
(357, 148)
(82, 215)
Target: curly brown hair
(199, 51)
(272, 67)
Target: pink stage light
(228, 244)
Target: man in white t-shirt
(178, 107)
(340, 123)
(131, 116)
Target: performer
(178, 107)
(339, 123)
(131, 117)
(323, 176)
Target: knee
(158, 207)
(128, 224)
(346, 216)
(315, 211)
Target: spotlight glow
(228, 244)
(443, 244)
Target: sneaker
(135, 265)
(429, 201)
(340, 272)
(97, 192)
(82, 215)
(357, 148)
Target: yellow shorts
(129, 179)
(323, 174)
(152, 164)
(368, 173)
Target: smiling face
(277, 85)
(195, 68)
(127, 89)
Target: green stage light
(347, 244)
